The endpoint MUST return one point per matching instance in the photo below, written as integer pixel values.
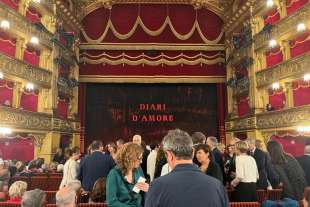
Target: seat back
(274, 194)
(39, 182)
(51, 197)
(5, 204)
(261, 195)
(244, 204)
(92, 205)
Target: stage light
(276, 86)
(307, 77)
(5, 24)
(29, 86)
(301, 27)
(5, 130)
(34, 40)
(1, 75)
(272, 43)
(269, 3)
(305, 129)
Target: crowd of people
(182, 170)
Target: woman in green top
(124, 177)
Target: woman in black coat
(290, 172)
(207, 163)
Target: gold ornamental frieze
(63, 125)
(284, 118)
(242, 87)
(283, 27)
(67, 91)
(21, 119)
(241, 124)
(21, 26)
(25, 71)
(294, 67)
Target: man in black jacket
(94, 166)
(304, 161)
(212, 143)
(264, 166)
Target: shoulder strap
(124, 181)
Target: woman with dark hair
(70, 170)
(111, 149)
(290, 172)
(207, 163)
(125, 180)
(230, 163)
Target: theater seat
(275, 194)
(4, 204)
(51, 196)
(261, 195)
(244, 204)
(51, 205)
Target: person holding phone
(126, 180)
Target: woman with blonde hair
(125, 180)
(246, 175)
(17, 191)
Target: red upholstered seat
(244, 204)
(93, 205)
(261, 195)
(54, 183)
(39, 182)
(275, 194)
(50, 196)
(5, 204)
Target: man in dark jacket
(94, 166)
(264, 166)
(304, 161)
(185, 185)
(137, 139)
(218, 157)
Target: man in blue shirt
(186, 185)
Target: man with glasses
(185, 185)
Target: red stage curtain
(11, 3)
(63, 108)
(243, 106)
(32, 57)
(20, 148)
(277, 99)
(301, 93)
(6, 92)
(294, 5)
(7, 45)
(300, 45)
(272, 17)
(292, 145)
(274, 56)
(82, 113)
(29, 101)
(123, 17)
(33, 15)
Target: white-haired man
(65, 197)
(137, 139)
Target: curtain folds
(29, 101)
(300, 45)
(301, 92)
(10, 146)
(274, 56)
(32, 57)
(291, 144)
(294, 5)
(277, 99)
(243, 106)
(63, 108)
(7, 45)
(6, 92)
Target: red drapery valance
(7, 44)
(19, 148)
(33, 15)
(6, 92)
(243, 106)
(277, 99)
(274, 56)
(11, 3)
(301, 92)
(29, 101)
(294, 5)
(300, 45)
(152, 23)
(32, 57)
(63, 108)
(272, 17)
(292, 145)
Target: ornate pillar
(286, 50)
(282, 8)
(23, 6)
(16, 94)
(221, 103)
(20, 48)
(45, 101)
(289, 95)
(49, 144)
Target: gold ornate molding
(24, 28)
(24, 119)
(152, 46)
(283, 27)
(88, 6)
(63, 125)
(291, 68)
(239, 54)
(242, 87)
(151, 79)
(241, 124)
(284, 118)
(22, 70)
(65, 90)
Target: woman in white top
(71, 167)
(246, 175)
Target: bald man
(65, 197)
(137, 139)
